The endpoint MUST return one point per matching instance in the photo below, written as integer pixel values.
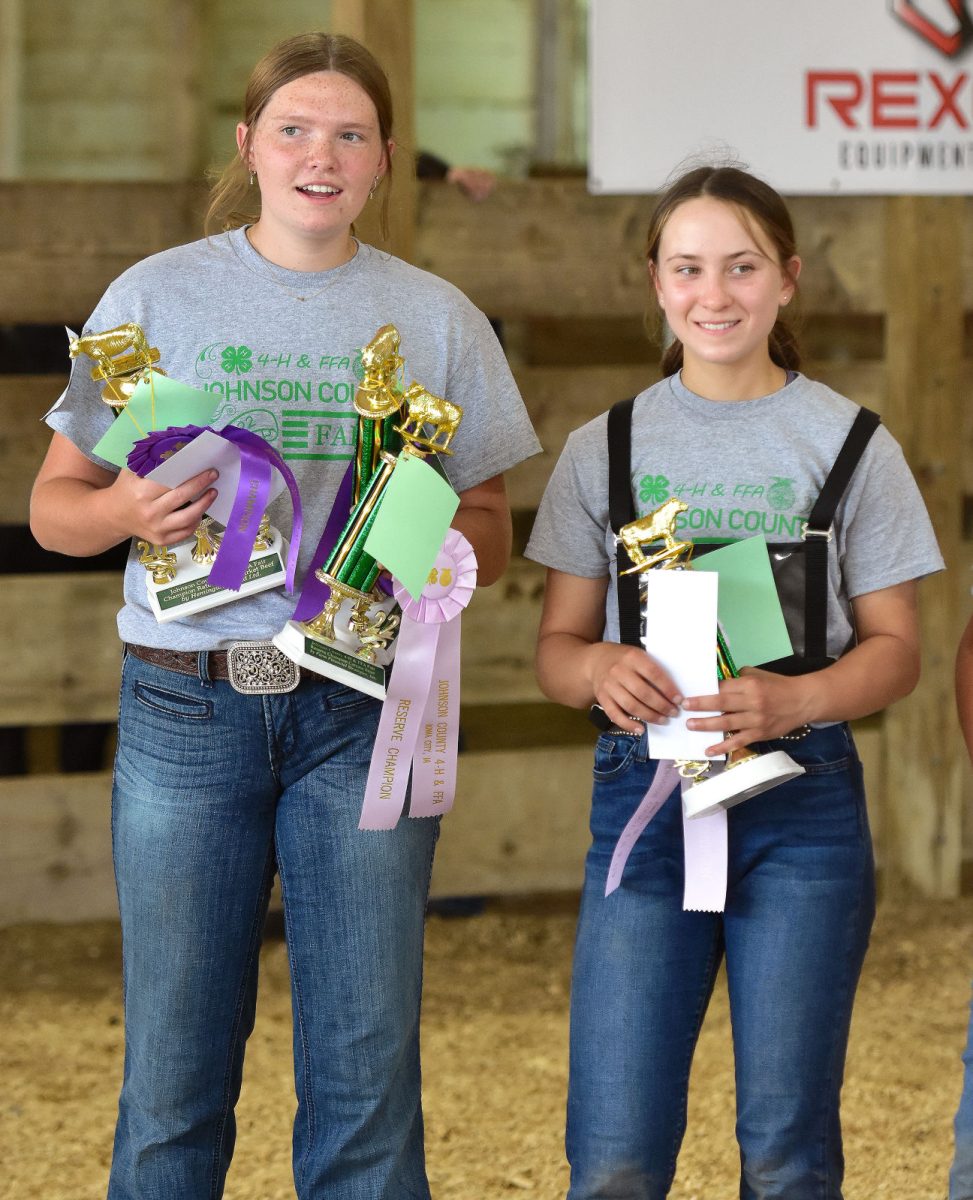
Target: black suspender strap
(817, 533)
(621, 510)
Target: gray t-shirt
(287, 369)
(746, 467)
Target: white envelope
(209, 450)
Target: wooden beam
(925, 411)
(538, 248)
(64, 655)
(387, 28)
(61, 244)
(547, 247)
(24, 437)
(12, 55)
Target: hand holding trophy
(160, 433)
(747, 773)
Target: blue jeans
(800, 904)
(961, 1172)
(213, 792)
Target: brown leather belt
(252, 668)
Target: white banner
(866, 96)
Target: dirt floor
(495, 1032)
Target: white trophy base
(190, 592)
(733, 785)
(339, 660)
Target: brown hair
(755, 201)
(233, 202)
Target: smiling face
(316, 150)
(720, 284)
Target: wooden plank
(499, 635)
(24, 437)
(55, 854)
(534, 248)
(548, 248)
(11, 87)
(520, 825)
(925, 412)
(63, 654)
(61, 244)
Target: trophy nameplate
(178, 585)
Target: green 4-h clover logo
(653, 489)
(237, 359)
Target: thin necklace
(336, 273)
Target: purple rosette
(257, 460)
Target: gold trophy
(746, 773)
(123, 358)
(176, 577)
(352, 637)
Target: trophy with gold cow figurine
(746, 772)
(161, 433)
(346, 622)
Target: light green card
(411, 522)
(155, 405)
(748, 607)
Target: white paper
(206, 451)
(680, 634)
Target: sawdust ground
(495, 1029)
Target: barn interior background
(107, 124)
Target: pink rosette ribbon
(257, 458)
(419, 727)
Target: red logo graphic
(949, 41)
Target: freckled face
(316, 150)
(720, 283)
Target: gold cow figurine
(424, 409)
(120, 371)
(656, 526)
(380, 393)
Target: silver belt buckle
(260, 669)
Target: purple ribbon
(314, 594)
(257, 457)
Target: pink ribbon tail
(665, 780)
(434, 768)
(399, 726)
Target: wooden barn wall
(563, 271)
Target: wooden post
(11, 82)
(924, 349)
(387, 28)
